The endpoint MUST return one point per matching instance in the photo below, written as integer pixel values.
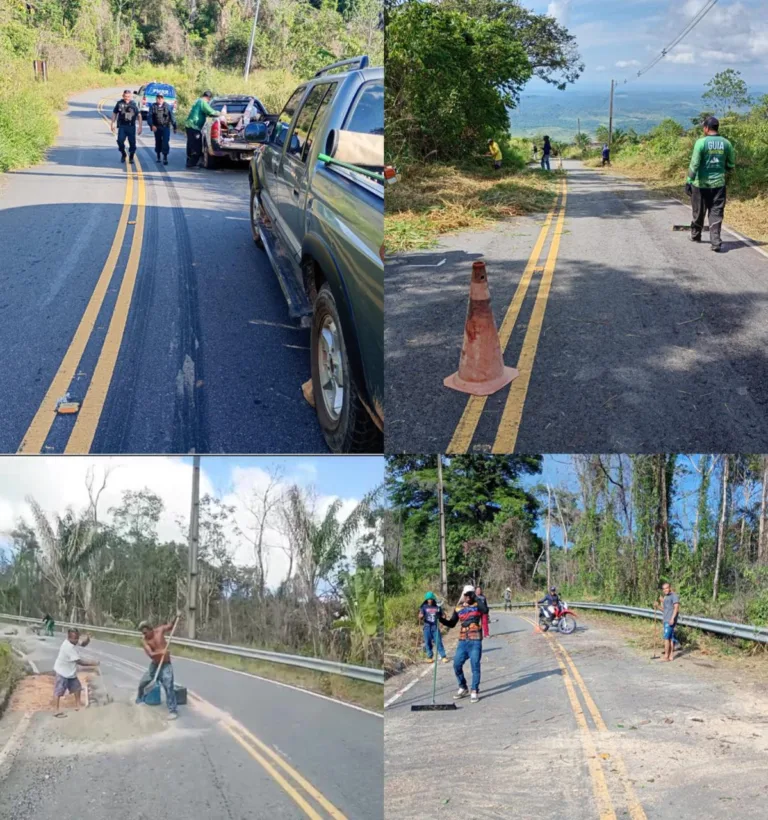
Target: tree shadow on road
(516, 684)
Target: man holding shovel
(156, 647)
(469, 613)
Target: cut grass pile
(431, 200)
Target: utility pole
(610, 116)
(441, 509)
(250, 46)
(549, 518)
(194, 542)
(578, 120)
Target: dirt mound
(112, 723)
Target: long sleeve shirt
(470, 618)
(199, 112)
(152, 115)
(712, 157)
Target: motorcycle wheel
(567, 624)
(543, 624)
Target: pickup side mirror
(256, 132)
(332, 142)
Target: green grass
(360, 693)
(10, 668)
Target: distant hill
(557, 113)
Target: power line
(695, 21)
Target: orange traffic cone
(481, 366)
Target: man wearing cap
(160, 118)
(429, 613)
(713, 157)
(65, 668)
(469, 614)
(156, 648)
(198, 114)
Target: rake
(433, 707)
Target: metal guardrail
(748, 632)
(348, 670)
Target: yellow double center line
(92, 404)
(297, 787)
(572, 679)
(509, 426)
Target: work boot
(695, 238)
(158, 158)
(130, 158)
(122, 157)
(165, 159)
(717, 248)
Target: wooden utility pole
(549, 520)
(610, 116)
(441, 509)
(578, 120)
(762, 534)
(721, 527)
(194, 542)
(250, 45)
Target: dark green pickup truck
(320, 220)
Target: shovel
(150, 687)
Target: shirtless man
(155, 646)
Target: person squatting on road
(160, 118)
(494, 152)
(126, 114)
(469, 613)
(550, 603)
(713, 157)
(484, 600)
(507, 599)
(65, 668)
(198, 114)
(545, 152)
(606, 154)
(48, 624)
(429, 613)
(156, 647)
(670, 606)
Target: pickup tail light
(390, 174)
(215, 129)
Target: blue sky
(617, 38)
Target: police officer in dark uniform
(126, 115)
(160, 119)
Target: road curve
(142, 295)
(244, 748)
(629, 338)
(580, 727)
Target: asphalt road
(628, 337)
(187, 344)
(583, 727)
(243, 748)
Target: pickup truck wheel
(209, 162)
(255, 211)
(346, 425)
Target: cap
(144, 624)
(467, 588)
(430, 595)
(207, 93)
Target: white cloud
(560, 10)
(627, 63)
(600, 68)
(681, 57)
(57, 482)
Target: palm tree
(66, 544)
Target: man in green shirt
(712, 158)
(199, 112)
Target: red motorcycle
(563, 619)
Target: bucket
(181, 694)
(152, 698)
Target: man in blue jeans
(429, 612)
(156, 647)
(670, 605)
(469, 613)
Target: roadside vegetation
(660, 158)
(111, 569)
(10, 669)
(194, 45)
(619, 528)
(454, 69)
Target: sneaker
(462, 693)
(474, 698)
(173, 716)
(444, 660)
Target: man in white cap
(469, 614)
